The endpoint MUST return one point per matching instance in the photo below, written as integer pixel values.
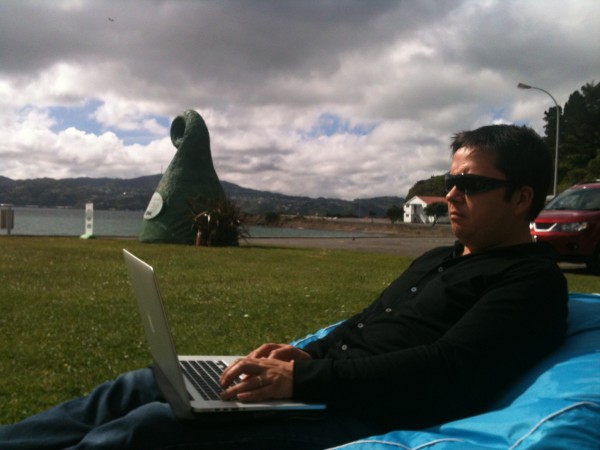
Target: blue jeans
(130, 412)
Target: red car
(570, 223)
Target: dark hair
(519, 153)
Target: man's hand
(261, 379)
(266, 373)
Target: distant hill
(134, 194)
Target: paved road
(394, 245)
(403, 246)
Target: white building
(414, 209)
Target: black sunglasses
(472, 184)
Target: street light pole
(526, 86)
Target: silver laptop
(189, 383)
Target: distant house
(414, 209)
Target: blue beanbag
(555, 405)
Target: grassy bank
(68, 319)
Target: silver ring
(260, 380)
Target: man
(439, 343)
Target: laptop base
(184, 412)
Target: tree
(219, 224)
(272, 219)
(394, 213)
(433, 187)
(437, 210)
(579, 139)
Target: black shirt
(443, 339)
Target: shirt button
(413, 289)
(360, 325)
(344, 347)
(440, 269)
(388, 310)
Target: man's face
(482, 220)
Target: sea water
(71, 222)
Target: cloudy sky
(344, 99)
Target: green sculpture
(189, 180)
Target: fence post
(7, 217)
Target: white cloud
(386, 83)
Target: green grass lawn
(68, 319)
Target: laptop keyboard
(204, 375)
